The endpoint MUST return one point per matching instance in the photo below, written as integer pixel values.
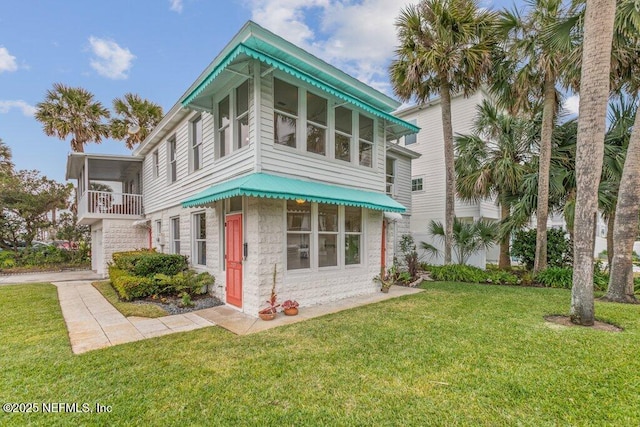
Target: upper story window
(344, 133)
(365, 136)
(416, 184)
(391, 176)
(171, 155)
(242, 114)
(196, 143)
(413, 138)
(285, 115)
(316, 124)
(335, 132)
(224, 127)
(156, 164)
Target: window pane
(316, 109)
(316, 139)
(327, 217)
(366, 128)
(202, 253)
(327, 254)
(197, 156)
(223, 112)
(298, 216)
(297, 251)
(242, 98)
(202, 227)
(352, 219)
(285, 130)
(343, 120)
(197, 132)
(225, 141)
(365, 153)
(343, 147)
(243, 131)
(352, 249)
(285, 97)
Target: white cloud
(571, 105)
(176, 5)
(27, 109)
(111, 61)
(7, 61)
(357, 36)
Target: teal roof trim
(406, 128)
(278, 187)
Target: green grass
(455, 354)
(126, 308)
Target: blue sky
(157, 48)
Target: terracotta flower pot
(291, 311)
(385, 290)
(267, 316)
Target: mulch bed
(173, 304)
(566, 321)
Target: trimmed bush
(558, 248)
(148, 263)
(458, 273)
(131, 287)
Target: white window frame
(415, 181)
(297, 118)
(195, 224)
(308, 122)
(365, 141)
(238, 144)
(390, 178)
(196, 146)
(339, 132)
(175, 240)
(360, 233)
(172, 159)
(156, 164)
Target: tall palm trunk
(610, 225)
(594, 92)
(505, 253)
(542, 210)
(449, 162)
(626, 224)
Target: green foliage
(410, 255)
(558, 248)
(131, 287)
(458, 273)
(501, 277)
(556, 277)
(148, 263)
(186, 300)
(468, 237)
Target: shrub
(556, 277)
(188, 281)
(148, 263)
(558, 248)
(131, 287)
(410, 255)
(458, 273)
(501, 277)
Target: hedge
(148, 263)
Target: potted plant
(386, 280)
(269, 313)
(290, 307)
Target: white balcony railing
(104, 202)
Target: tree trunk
(626, 224)
(542, 210)
(447, 131)
(594, 94)
(505, 253)
(610, 224)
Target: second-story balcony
(107, 186)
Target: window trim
(194, 246)
(416, 179)
(172, 159)
(156, 163)
(195, 145)
(172, 231)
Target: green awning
(398, 126)
(278, 187)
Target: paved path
(48, 277)
(94, 323)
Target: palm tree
(468, 237)
(73, 111)
(536, 59)
(444, 47)
(491, 162)
(6, 165)
(594, 94)
(134, 113)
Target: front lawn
(457, 354)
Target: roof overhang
(279, 187)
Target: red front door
(234, 259)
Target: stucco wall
(120, 235)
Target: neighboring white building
(428, 171)
(272, 158)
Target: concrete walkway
(48, 277)
(94, 323)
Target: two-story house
(428, 171)
(272, 159)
